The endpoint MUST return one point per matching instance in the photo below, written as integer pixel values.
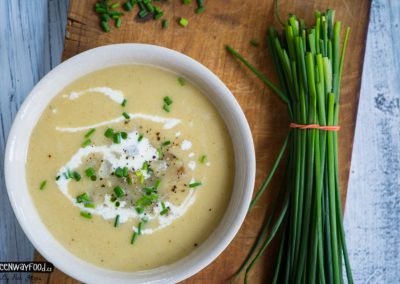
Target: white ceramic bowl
(95, 59)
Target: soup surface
(130, 167)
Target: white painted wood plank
(31, 43)
(372, 218)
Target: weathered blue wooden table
(31, 41)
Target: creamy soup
(130, 167)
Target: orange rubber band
(314, 126)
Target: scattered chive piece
(119, 191)
(89, 172)
(93, 178)
(58, 177)
(186, 2)
(90, 132)
(203, 159)
(157, 184)
(86, 143)
(105, 26)
(126, 115)
(145, 166)
(115, 5)
(124, 135)
(124, 102)
(166, 143)
(158, 15)
(167, 100)
(76, 176)
(163, 205)
(195, 184)
(200, 10)
(116, 222)
(133, 239)
(127, 6)
(117, 138)
(164, 24)
(165, 209)
(182, 81)
(139, 210)
(84, 197)
(109, 133)
(166, 108)
(100, 10)
(113, 199)
(142, 14)
(86, 215)
(140, 228)
(116, 17)
(117, 204)
(183, 22)
(140, 137)
(43, 184)
(89, 205)
(105, 17)
(118, 22)
(255, 43)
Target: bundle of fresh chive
(308, 64)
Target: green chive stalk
(309, 64)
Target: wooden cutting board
(235, 22)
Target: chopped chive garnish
(183, 22)
(125, 171)
(160, 153)
(164, 24)
(116, 17)
(117, 138)
(186, 2)
(157, 184)
(116, 222)
(109, 133)
(124, 135)
(255, 43)
(129, 180)
(203, 159)
(105, 26)
(164, 209)
(113, 199)
(100, 10)
(86, 215)
(118, 191)
(58, 177)
(158, 15)
(118, 22)
(86, 143)
(195, 184)
(126, 115)
(115, 5)
(166, 143)
(43, 184)
(93, 178)
(182, 81)
(166, 108)
(163, 205)
(84, 197)
(140, 228)
(90, 172)
(89, 205)
(133, 239)
(90, 132)
(140, 137)
(124, 102)
(167, 100)
(119, 172)
(76, 176)
(145, 166)
(139, 210)
(67, 174)
(117, 204)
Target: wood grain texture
(204, 39)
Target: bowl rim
(167, 274)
